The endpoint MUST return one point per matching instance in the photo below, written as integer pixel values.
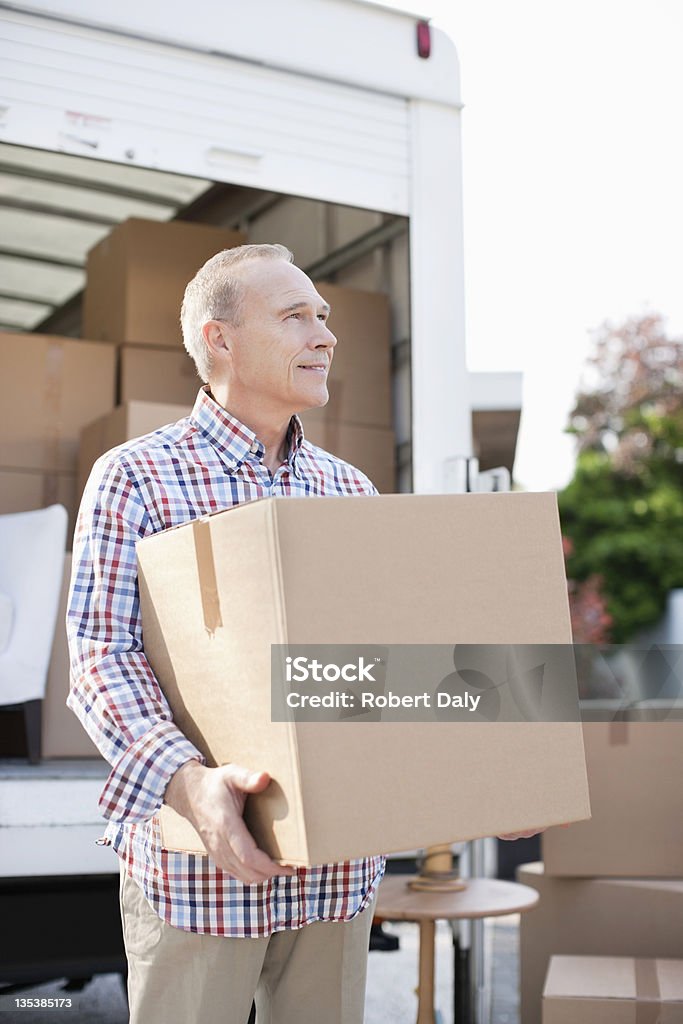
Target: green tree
(623, 509)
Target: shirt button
(254, 448)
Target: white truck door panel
(79, 90)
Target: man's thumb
(251, 782)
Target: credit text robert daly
(304, 670)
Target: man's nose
(324, 338)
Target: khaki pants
(314, 975)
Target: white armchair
(31, 566)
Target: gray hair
(216, 293)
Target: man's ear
(217, 337)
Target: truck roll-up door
(106, 95)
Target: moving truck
(332, 126)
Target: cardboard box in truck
(133, 419)
(136, 278)
(50, 387)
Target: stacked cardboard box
(606, 990)
(613, 885)
(122, 424)
(136, 278)
(135, 283)
(356, 423)
(157, 375)
(50, 387)
(62, 733)
(635, 771)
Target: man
(204, 934)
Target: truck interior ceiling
(56, 207)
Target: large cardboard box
(359, 382)
(613, 990)
(157, 375)
(635, 773)
(370, 449)
(136, 278)
(24, 489)
(391, 569)
(50, 387)
(62, 733)
(122, 424)
(594, 917)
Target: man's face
(280, 353)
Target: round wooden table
(483, 897)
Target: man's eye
(294, 316)
(323, 317)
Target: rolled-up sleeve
(114, 691)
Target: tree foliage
(623, 509)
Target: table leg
(425, 992)
(462, 1013)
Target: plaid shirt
(206, 462)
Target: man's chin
(310, 402)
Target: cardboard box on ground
(631, 917)
(613, 990)
(50, 387)
(636, 829)
(390, 569)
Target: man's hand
(521, 835)
(213, 799)
(525, 835)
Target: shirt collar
(232, 438)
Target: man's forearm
(181, 789)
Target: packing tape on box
(206, 572)
(648, 994)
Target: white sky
(573, 189)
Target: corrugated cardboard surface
(136, 278)
(122, 424)
(594, 917)
(157, 375)
(390, 569)
(22, 490)
(613, 990)
(635, 774)
(370, 449)
(360, 377)
(62, 733)
(50, 387)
